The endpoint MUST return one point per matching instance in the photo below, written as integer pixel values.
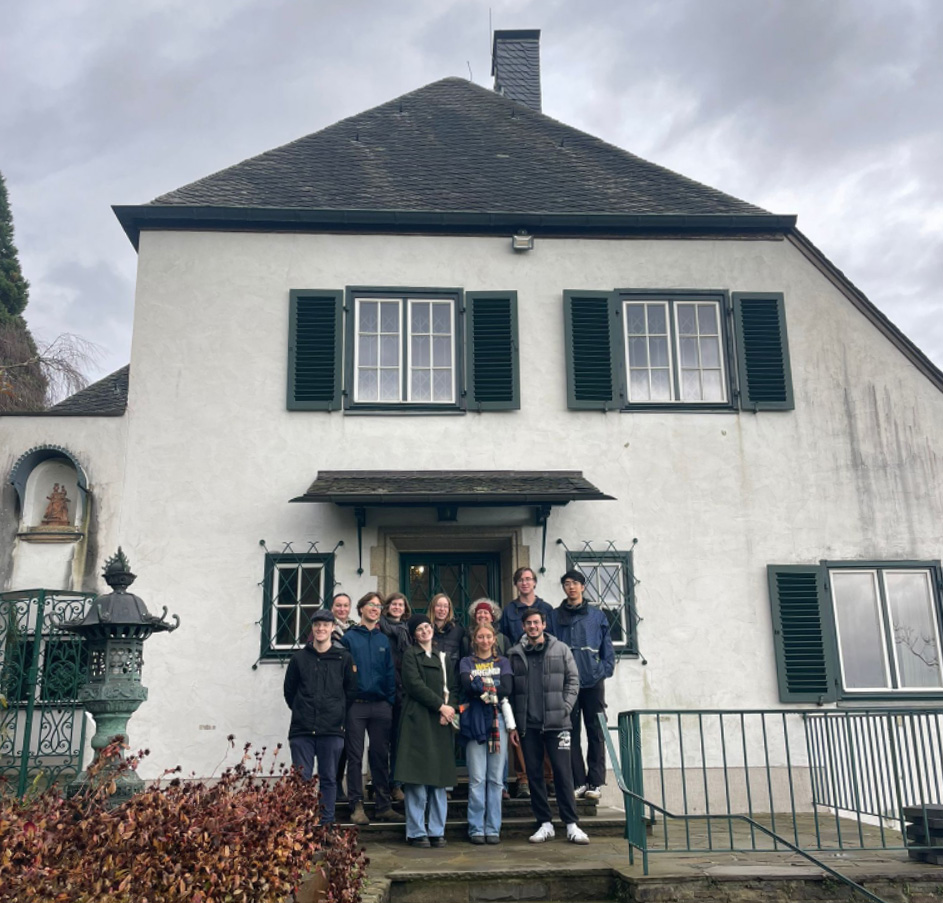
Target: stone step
(603, 823)
(587, 884)
(458, 809)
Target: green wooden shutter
(492, 351)
(762, 352)
(803, 634)
(314, 350)
(592, 350)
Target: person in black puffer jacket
(319, 685)
(447, 632)
(396, 612)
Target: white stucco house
(451, 336)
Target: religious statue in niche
(57, 511)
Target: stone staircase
(517, 819)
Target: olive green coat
(426, 750)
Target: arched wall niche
(53, 519)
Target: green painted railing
(42, 725)
(783, 780)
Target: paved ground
(394, 859)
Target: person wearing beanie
(319, 685)
(484, 611)
(425, 757)
(585, 629)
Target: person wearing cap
(546, 684)
(425, 757)
(511, 623)
(371, 711)
(319, 684)
(585, 629)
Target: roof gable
(455, 146)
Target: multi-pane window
(674, 351)
(888, 628)
(610, 587)
(405, 351)
(295, 587)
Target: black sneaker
(418, 841)
(437, 842)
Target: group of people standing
(523, 679)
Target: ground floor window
(857, 629)
(610, 585)
(295, 586)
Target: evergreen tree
(14, 289)
(23, 383)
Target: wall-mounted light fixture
(522, 241)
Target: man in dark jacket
(585, 629)
(319, 684)
(511, 623)
(546, 684)
(371, 711)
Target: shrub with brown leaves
(250, 836)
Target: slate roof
(454, 146)
(106, 398)
(453, 487)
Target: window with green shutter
(802, 635)
(763, 352)
(494, 380)
(679, 350)
(412, 349)
(314, 350)
(857, 630)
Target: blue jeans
(485, 783)
(424, 803)
(327, 750)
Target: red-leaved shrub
(248, 836)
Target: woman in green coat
(425, 757)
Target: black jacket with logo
(318, 688)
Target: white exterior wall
(214, 456)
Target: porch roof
(478, 488)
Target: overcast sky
(829, 109)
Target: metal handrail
(754, 825)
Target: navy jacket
(586, 631)
(510, 624)
(373, 661)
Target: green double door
(463, 577)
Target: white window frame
(675, 382)
(297, 608)
(890, 662)
(405, 304)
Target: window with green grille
(610, 586)
(294, 586)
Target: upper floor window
(674, 350)
(702, 350)
(403, 349)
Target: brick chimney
(515, 65)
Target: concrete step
(598, 823)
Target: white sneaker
(592, 793)
(544, 833)
(575, 834)
(580, 791)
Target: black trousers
(375, 719)
(556, 744)
(590, 702)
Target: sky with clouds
(828, 109)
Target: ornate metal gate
(42, 726)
